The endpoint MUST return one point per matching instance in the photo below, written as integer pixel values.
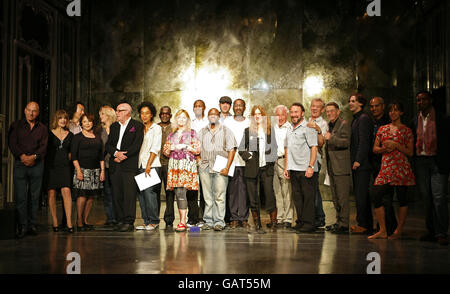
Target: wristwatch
(311, 166)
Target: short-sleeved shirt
(238, 128)
(299, 141)
(87, 151)
(280, 134)
(218, 143)
(395, 168)
(323, 125)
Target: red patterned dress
(395, 167)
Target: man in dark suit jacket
(338, 166)
(360, 147)
(124, 143)
(432, 165)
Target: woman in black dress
(88, 160)
(58, 167)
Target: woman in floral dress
(181, 147)
(395, 141)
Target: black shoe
(296, 227)
(126, 228)
(80, 229)
(20, 233)
(69, 230)
(320, 224)
(272, 225)
(306, 229)
(428, 238)
(117, 227)
(340, 230)
(88, 227)
(32, 231)
(331, 227)
(55, 229)
(442, 241)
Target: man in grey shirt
(301, 167)
(215, 139)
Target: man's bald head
(31, 111)
(377, 107)
(213, 111)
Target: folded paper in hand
(145, 182)
(221, 163)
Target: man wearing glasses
(124, 143)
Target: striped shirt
(215, 143)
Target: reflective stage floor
(228, 252)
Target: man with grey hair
(28, 140)
(124, 143)
(282, 185)
(320, 125)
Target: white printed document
(221, 163)
(145, 182)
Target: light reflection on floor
(227, 252)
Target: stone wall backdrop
(268, 52)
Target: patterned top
(182, 167)
(395, 167)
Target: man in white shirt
(281, 185)
(237, 190)
(321, 126)
(124, 143)
(195, 217)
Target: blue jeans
(108, 200)
(432, 187)
(27, 179)
(148, 201)
(214, 191)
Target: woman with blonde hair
(107, 118)
(258, 149)
(59, 168)
(181, 147)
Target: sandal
(181, 227)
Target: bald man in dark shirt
(28, 143)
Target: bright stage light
(208, 83)
(313, 85)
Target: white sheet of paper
(145, 182)
(327, 179)
(221, 163)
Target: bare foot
(379, 235)
(395, 236)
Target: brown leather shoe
(234, 224)
(358, 230)
(245, 225)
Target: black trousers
(237, 190)
(303, 196)
(125, 192)
(361, 182)
(389, 212)
(193, 209)
(265, 176)
(169, 215)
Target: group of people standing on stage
(258, 156)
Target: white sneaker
(151, 227)
(141, 228)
